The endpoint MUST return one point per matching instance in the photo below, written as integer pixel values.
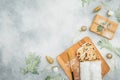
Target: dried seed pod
(49, 59)
(55, 68)
(98, 8)
(109, 56)
(110, 13)
(83, 28)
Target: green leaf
(83, 2)
(100, 28)
(47, 78)
(117, 14)
(32, 61)
(104, 43)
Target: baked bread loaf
(87, 52)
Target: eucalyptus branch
(104, 43)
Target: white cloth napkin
(90, 70)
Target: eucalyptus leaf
(85, 1)
(47, 78)
(104, 43)
(100, 28)
(31, 61)
(117, 14)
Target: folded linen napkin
(90, 70)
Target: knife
(69, 57)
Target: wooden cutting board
(63, 60)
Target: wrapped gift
(104, 26)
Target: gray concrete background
(47, 27)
